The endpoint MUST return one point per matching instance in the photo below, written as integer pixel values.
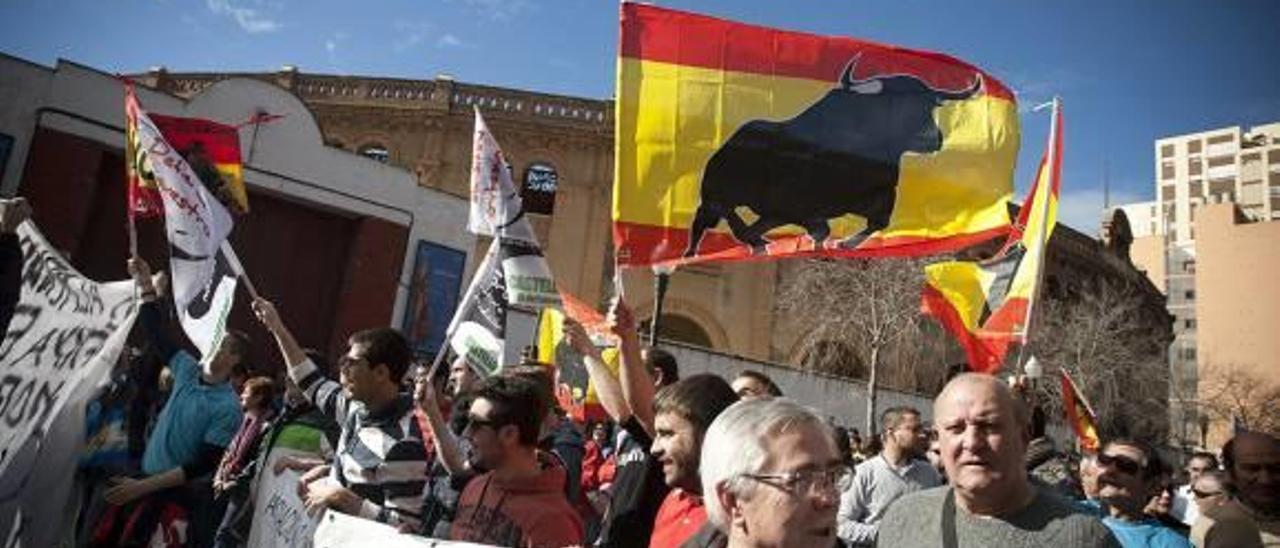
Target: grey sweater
(875, 486)
(1049, 522)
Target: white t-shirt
(1184, 506)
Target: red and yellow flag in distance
(985, 305)
(1079, 415)
(213, 152)
(737, 141)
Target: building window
(1166, 170)
(1190, 294)
(1189, 323)
(1189, 267)
(1167, 193)
(377, 153)
(1193, 147)
(1196, 189)
(1166, 151)
(1196, 167)
(1221, 161)
(539, 189)
(1189, 354)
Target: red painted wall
(330, 274)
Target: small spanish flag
(736, 141)
(212, 150)
(986, 306)
(1079, 414)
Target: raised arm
(323, 392)
(637, 383)
(608, 388)
(149, 314)
(448, 450)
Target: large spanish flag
(986, 306)
(737, 141)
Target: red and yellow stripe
(686, 82)
(220, 145)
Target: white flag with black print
(497, 211)
(197, 226)
(478, 330)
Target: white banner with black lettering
(66, 330)
(280, 518)
(338, 530)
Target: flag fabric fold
(478, 329)
(1079, 415)
(196, 224)
(987, 305)
(497, 211)
(736, 141)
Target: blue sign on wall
(433, 296)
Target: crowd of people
(177, 447)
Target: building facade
(561, 151)
(1231, 165)
(334, 238)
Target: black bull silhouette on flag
(839, 156)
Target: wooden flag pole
(234, 260)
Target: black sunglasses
(1121, 463)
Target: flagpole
(661, 280)
(1045, 228)
(467, 299)
(234, 260)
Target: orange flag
(1079, 415)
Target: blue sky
(1128, 71)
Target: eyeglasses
(1120, 462)
(811, 482)
(1204, 495)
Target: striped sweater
(380, 455)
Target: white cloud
(448, 41)
(249, 19)
(411, 33)
(498, 9)
(333, 42)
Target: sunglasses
(1121, 463)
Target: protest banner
(280, 518)
(66, 330)
(338, 530)
(65, 334)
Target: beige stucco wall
(1147, 254)
(1237, 297)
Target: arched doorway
(675, 327)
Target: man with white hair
(771, 475)
(982, 431)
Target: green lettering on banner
(476, 354)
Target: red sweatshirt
(527, 513)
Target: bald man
(983, 436)
(1252, 460)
